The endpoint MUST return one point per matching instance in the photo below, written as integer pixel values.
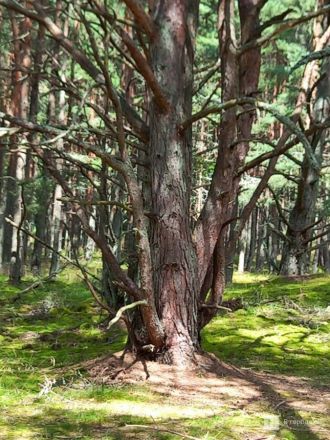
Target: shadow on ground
(272, 386)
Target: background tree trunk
(15, 208)
(295, 259)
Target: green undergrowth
(47, 333)
(284, 327)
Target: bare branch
(317, 55)
(141, 17)
(123, 309)
(274, 20)
(79, 56)
(278, 206)
(207, 77)
(290, 24)
(277, 232)
(46, 245)
(321, 234)
(277, 152)
(314, 248)
(38, 283)
(93, 291)
(141, 62)
(264, 106)
(144, 68)
(215, 306)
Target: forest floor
(273, 381)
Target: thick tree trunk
(173, 253)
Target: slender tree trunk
(295, 259)
(57, 114)
(56, 229)
(260, 253)
(239, 77)
(4, 86)
(325, 252)
(253, 239)
(43, 190)
(3, 150)
(40, 221)
(242, 252)
(15, 189)
(231, 244)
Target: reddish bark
(239, 76)
(174, 261)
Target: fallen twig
(38, 283)
(123, 309)
(215, 306)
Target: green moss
(289, 335)
(283, 328)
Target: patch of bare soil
(215, 384)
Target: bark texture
(239, 77)
(173, 253)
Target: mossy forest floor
(274, 382)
